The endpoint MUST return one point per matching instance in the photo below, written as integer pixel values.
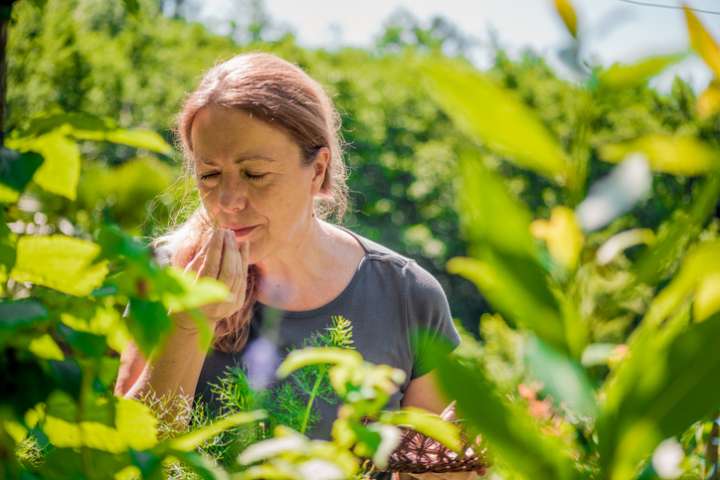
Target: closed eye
(254, 176)
(208, 175)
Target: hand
(222, 259)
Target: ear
(320, 167)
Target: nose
(233, 195)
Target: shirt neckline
(323, 309)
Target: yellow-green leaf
(59, 262)
(298, 359)
(635, 74)
(708, 103)
(707, 298)
(495, 117)
(136, 424)
(194, 439)
(489, 212)
(562, 235)
(60, 170)
(675, 154)
(567, 12)
(193, 293)
(702, 42)
(45, 347)
(427, 423)
(138, 138)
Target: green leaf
(565, 9)
(182, 292)
(132, 6)
(667, 382)
(84, 126)
(20, 314)
(83, 343)
(196, 438)
(702, 261)
(676, 234)
(427, 423)
(494, 117)
(60, 170)
(517, 287)
(507, 429)
(702, 42)
(145, 139)
(562, 377)
(636, 74)
(149, 324)
(298, 359)
(136, 424)
(16, 171)
(490, 214)
(45, 347)
(674, 154)
(59, 262)
(202, 466)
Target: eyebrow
(243, 157)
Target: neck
(288, 274)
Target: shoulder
(418, 282)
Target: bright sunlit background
(618, 30)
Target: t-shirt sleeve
(428, 318)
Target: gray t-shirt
(387, 300)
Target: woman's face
(252, 179)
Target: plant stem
(313, 395)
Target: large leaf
(563, 378)
(517, 287)
(667, 382)
(490, 214)
(60, 170)
(508, 429)
(675, 154)
(59, 262)
(702, 42)
(84, 126)
(16, 171)
(633, 75)
(676, 234)
(494, 117)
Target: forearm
(172, 373)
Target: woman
(261, 138)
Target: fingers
(199, 257)
(230, 268)
(213, 257)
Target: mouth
(243, 232)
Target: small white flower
(667, 458)
(270, 448)
(320, 470)
(390, 438)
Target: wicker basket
(417, 453)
